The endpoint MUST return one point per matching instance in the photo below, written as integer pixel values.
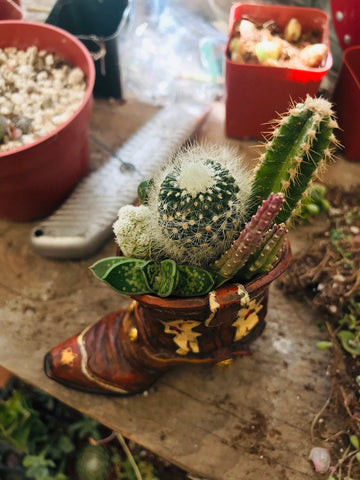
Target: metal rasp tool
(83, 223)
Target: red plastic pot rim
(24, 28)
(11, 10)
(282, 14)
(350, 62)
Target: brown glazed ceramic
(126, 351)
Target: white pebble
(59, 119)
(33, 87)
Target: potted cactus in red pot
(274, 54)
(198, 256)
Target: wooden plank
(249, 421)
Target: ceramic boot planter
(126, 351)
(180, 267)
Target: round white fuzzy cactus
(132, 231)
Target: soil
(267, 44)
(327, 275)
(329, 272)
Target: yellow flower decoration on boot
(185, 338)
(247, 319)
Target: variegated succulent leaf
(191, 280)
(123, 274)
(161, 277)
(132, 276)
(103, 265)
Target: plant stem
(129, 456)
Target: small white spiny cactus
(198, 203)
(132, 231)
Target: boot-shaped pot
(126, 351)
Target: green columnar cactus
(298, 147)
(198, 203)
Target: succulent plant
(199, 203)
(204, 221)
(196, 207)
(133, 276)
(132, 231)
(300, 145)
(253, 239)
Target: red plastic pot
(36, 178)
(255, 94)
(347, 103)
(346, 18)
(10, 10)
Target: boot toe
(94, 361)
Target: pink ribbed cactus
(253, 239)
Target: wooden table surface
(250, 421)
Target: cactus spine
(199, 203)
(297, 149)
(250, 239)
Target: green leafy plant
(313, 203)
(39, 467)
(18, 422)
(205, 220)
(32, 424)
(349, 325)
(44, 438)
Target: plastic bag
(169, 52)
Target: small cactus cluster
(199, 203)
(204, 220)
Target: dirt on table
(327, 275)
(329, 271)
